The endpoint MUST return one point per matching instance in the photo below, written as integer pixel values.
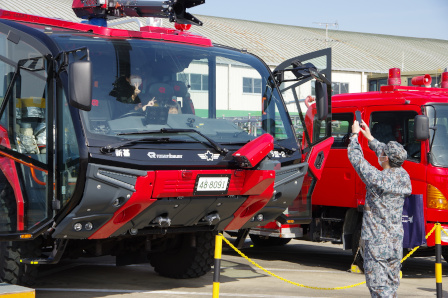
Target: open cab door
(26, 146)
(291, 178)
(311, 119)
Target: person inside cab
(126, 89)
(160, 95)
(173, 107)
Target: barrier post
(217, 265)
(438, 247)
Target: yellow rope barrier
(284, 279)
(310, 287)
(417, 247)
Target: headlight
(77, 227)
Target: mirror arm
(63, 58)
(323, 79)
(279, 76)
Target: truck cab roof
(147, 32)
(391, 95)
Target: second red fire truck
(416, 117)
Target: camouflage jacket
(385, 193)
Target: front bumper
(118, 200)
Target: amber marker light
(435, 199)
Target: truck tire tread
(186, 262)
(11, 269)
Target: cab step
(54, 258)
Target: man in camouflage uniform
(382, 229)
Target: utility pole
(335, 24)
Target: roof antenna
(335, 24)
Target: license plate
(211, 184)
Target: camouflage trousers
(382, 267)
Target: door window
(396, 126)
(24, 121)
(341, 127)
(68, 150)
(438, 117)
(25, 116)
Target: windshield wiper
(235, 143)
(113, 147)
(288, 150)
(213, 144)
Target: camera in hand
(358, 116)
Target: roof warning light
(444, 83)
(394, 77)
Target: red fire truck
(146, 155)
(415, 116)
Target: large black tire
(268, 241)
(187, 256)
(11, 270)
(357, 250)
(8, 208)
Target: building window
(373, 85)
(381, 83)
(339, 88)
(251, 85)
(197, 82)
(436, 81)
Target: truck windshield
(439, 137)
(142, 85)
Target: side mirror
(80, 85)
(321, 100)
(421, 127)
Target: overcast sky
(424, 18)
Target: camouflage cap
(396, 153)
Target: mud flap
(241, 237)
